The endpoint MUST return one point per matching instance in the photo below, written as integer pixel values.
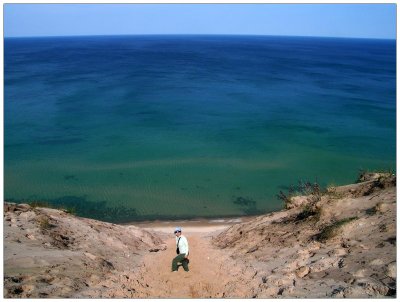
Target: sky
(325, 20)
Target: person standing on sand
(182, 249)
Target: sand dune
(341, 243)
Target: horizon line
(197, 34)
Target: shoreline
(145, 221)
(200, 225)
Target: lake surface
(126, 128)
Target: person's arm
(187, 248)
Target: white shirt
(183, 245)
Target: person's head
(177, 231)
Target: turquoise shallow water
(162, 127)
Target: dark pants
(180, 258)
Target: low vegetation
(44, 204)
(69, 210)
(364, 174)
(333, 193)
(303, 188)
(309, 211)
(333, 229)
(39, 204)
(44, 223)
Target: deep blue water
(135, 127)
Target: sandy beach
(192, 226)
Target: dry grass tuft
(303, 188)
(309, 211)
(39, 204)
(334, 229)
(44, 223)
(333, 193)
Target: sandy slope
(280, 254)
(49, 253)
(84, 258)
(206, 268)
(292, 260)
